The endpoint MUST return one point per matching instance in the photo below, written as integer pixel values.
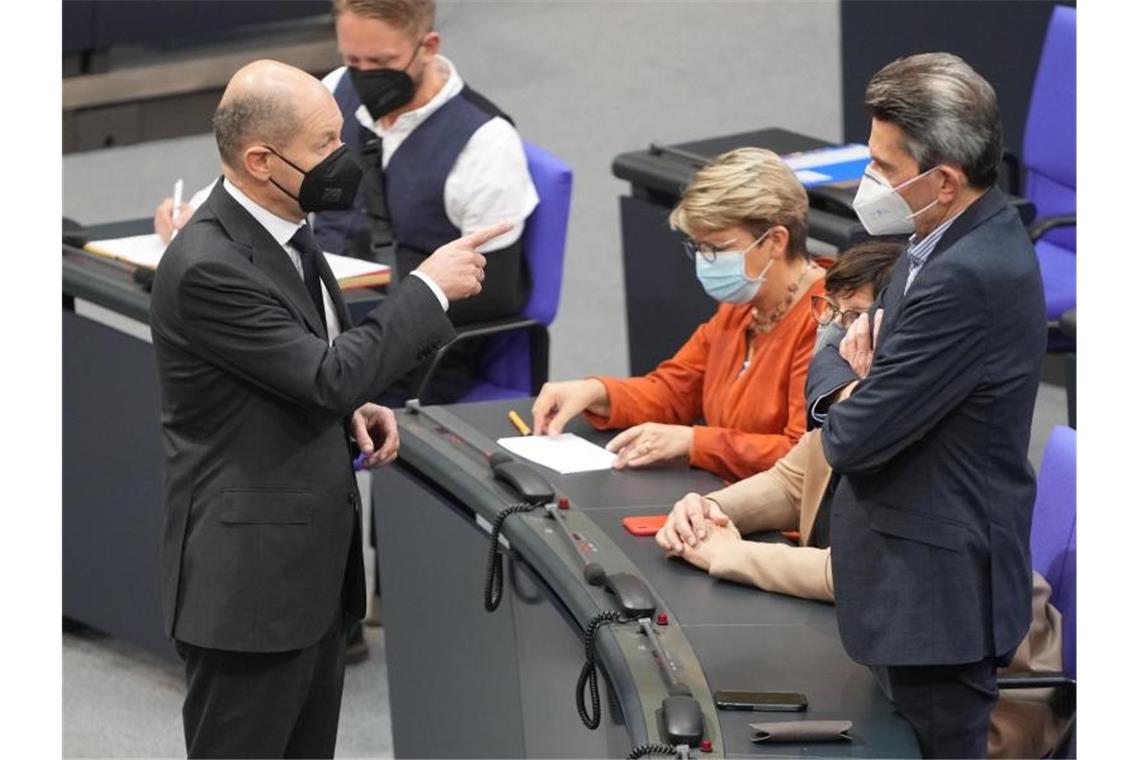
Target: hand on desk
(558, 403)
(164, 223)
(651, 443)
(705, 552)
(692, 520)
(375, 431)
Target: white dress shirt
(282, 230)
(489, 182)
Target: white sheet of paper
(807, 175)
(344, 267)
(140, 250)
(566, 453)
(146, 251)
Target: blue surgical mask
(725, 279)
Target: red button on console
(563, 502)
(706, 745)
(662, 618)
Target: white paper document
(147, 250)
(807, 175)
(140, 250)
(566, 453)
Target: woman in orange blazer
(731, 400)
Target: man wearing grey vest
(440, 161)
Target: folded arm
(925, 367)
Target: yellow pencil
(517, 421)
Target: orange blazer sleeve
(733, 454)
(670, 394)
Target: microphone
(594, 574)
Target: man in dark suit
(264, 392)
(930, 523)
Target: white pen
(177, 205)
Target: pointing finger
(478, 237)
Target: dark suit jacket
(930, 525)
(261, 539)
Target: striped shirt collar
(918, 251)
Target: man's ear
(953, 182)
(430, 43)
(255, 160)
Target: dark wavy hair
(868, 262)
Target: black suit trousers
(948, 706)
(264, 705)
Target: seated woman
(731, 400)
(794, 495)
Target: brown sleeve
(771, 499)
(794, 570)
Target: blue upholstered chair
(1049, 158)
(1053, 540)
(1053, 544)
(516, 362)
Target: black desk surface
(744, 638)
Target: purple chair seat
(1053, 537)
(491, 392)
(507, 370)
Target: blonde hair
(413, 17)
(746, 187)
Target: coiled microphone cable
(493, 589)
(589, 674)
(645, 750)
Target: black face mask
(382, 91)
(331, 185)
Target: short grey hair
(947, 111)
(246, 118)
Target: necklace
(764, 322)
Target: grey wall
(586, 80)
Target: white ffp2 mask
(881, 209)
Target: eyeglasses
(709, 251)
(825, 313)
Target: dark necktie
(381, 240)
(306, 246)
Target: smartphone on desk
(761, 701)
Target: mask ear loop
(913, 214)
(415, 53)
(295, 168)
(743, 263)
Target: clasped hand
(697, 530)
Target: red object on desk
(644, 525)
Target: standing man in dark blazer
(930, 523)
(264, 393)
